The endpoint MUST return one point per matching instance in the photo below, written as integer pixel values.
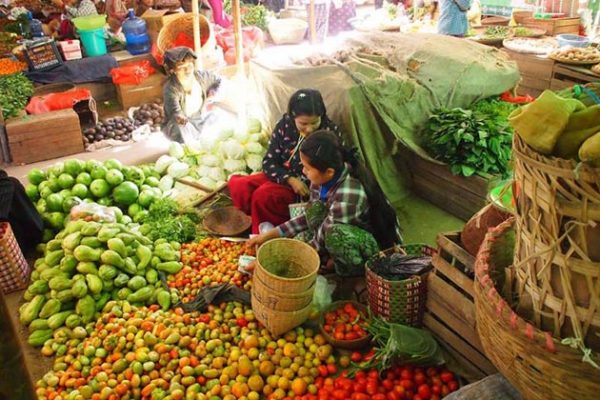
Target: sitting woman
(266, 196)
(348, 218)
(185, 92)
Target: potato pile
(117, 128)
(151, 114)
(577, 55)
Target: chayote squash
(107, 272)
(80, 288)
(92, 241)
(116, 244)
(53, 258)
(51, 307)
(140, 295)
(86, 253)
(86, 308)
(111, 257)
(87, 267)
(31, 310)
(60, 283)
(94, 283)
(121, 280)
(39, 337)
(39, 287)
(136, 283)
(58, 320)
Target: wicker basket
(533, 361)
(489, 21)
(356, 344)
(278, 322)
(557, 255)
(399, 301)
(521, 16)
(281, 301)
(227, 221)
(184, 24)
(288, 30)
(292, 253)
(14, 269)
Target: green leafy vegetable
(15, 91)
(471, 141)
(402, 344)
(165, 221)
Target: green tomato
(114, 177)
(100, 188)
(80, 190)
(66, 181)
(84, 178)
(32, 192)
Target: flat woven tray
(574, 62)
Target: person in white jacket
(474, 14)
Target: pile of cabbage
(215, 157)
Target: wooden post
(237, 35)
(312, 22)
(197, 42)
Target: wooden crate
(565, 76)
(555, 26)
(39, 137)
(450, 308)
(460, 196)
(134, 95)
(532, 66)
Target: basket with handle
(14, 269)
(400, 301)
(536, 363)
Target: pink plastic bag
(132, 74)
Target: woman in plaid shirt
(350, 194)
(265, 196)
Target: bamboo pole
(312, 22)
(197, 42)
(237, 35)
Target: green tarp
(381, 88)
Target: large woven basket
(288, 30)
(278, 300)
(402, 301)
(184, 24)
(287, 253)
(539, 366)
(557, 259)
(14, 269)
(279, 322)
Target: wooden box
(134, 95)
(450, 308)
(460, 196)
(39, 137)
(555, 26)
(566, 76)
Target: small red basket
(401, 302)
(14, 269)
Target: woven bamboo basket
(14, 269)
(287, 254)
(184, 25)
(281, 301)
(278, 322)
(538, 365)
(557, 255)
(399, 301)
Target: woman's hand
(262, 238)
(181, 119)
(298, 186)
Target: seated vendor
(185, 92)
(350, 202)
(266, 196)
(79, 8)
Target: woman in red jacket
(266, 196)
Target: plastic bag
(189, 133)
(323, 292)
(57, 101)
(92, 212)
(132, 74)
(398, 267)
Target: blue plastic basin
(572, 40)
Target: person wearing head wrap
(265, 196)
(185, 92)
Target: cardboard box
(71, 49)
(39, 137)
(555, 26)
(156, 19)
(134, 95)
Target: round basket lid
(227, 221)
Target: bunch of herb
(254, 16)
(166, 221)
(495, 108)
(469, 141)
(15, 91)
(397, 343)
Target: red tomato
(388, 384)
(331, 368)
(359, 387)
(407, 384)
(445, 391)
(406, 374)
(356, 356)
(323, 370)
(373, 374)
(424, 392)
(400, 391)
(393, 396)
(340, 394)
(420, 378)
(447, 376)
(360, 375)
(436, 389)
(360, 396)
(242, 322)
(378, 396)
(372, 387)
(435, 397)
(453, 386)
(432, 371)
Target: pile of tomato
(399, 383)
(345, 323)
(209, 262)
